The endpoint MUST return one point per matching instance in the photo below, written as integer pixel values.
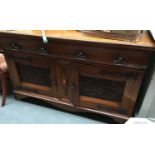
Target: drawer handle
(80, 55)
(120, 61)
(15, 47)
(43, 51)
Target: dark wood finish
(107, 89)
(64, 81)
(28, 44)
(33, 73)
(101, 55)
(77, 75)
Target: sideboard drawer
(26, 45)
(125, 57)
(108, 55)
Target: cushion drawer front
(22, 44)
(107, 55)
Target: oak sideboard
(78, 73)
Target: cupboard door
(33, 74)
(106, 89)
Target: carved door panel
(106, 89)
(33, 74)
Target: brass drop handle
(80, 55)
(120, 61)
(43, 51)
(15, 47)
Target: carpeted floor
(32, 111)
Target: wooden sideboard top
(145, 41)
